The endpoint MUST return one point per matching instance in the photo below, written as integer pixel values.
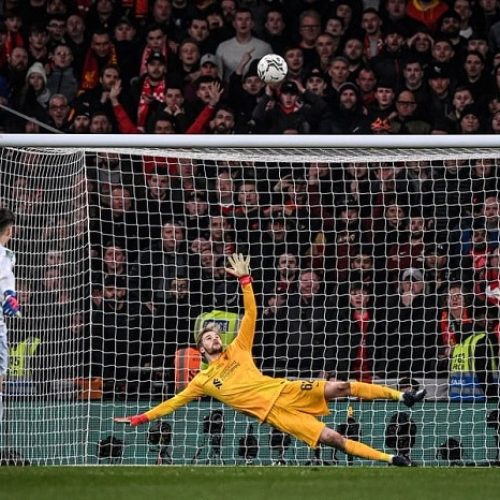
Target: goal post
(374, 258)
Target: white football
(272, 69)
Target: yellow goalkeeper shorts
(296, 409)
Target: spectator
(100, 122)
(37, 44)
(80, 123)
(309, 31)
(76, 40)
(353, 330)
(373, 40)
(280, 110)
(325, 49)
(164, 261)
(475, 378)
(294, 57)
(116, 338)
(420, 45)
(61, 79)
(100, 53)
(275, 30)
(35, 95)
(302, 347)
(351, 111)
(464, 9)
(353, 51)
(470, 120)
(404, 329)
(389, 61)
(231, 51)
(59, 112)
(439, 103)
(366, 81)
(406, 120)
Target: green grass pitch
(242, 483)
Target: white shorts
(4, 351)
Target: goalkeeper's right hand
(134, 421)
(240, 265)
(10, 304)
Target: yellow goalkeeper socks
(373, 391)
(361, 450)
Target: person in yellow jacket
(290, 406)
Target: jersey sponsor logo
(217, 382)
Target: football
(272, 69)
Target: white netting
(360, 259)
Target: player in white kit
(10, 305)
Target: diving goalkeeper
(290, 406)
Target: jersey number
(306, 386)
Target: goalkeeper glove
(240, 265)
(10, 304)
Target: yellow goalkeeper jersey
(232, 378)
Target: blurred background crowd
(173, 66)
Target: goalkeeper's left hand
(10, 304)
(240, 265)
(134, 421)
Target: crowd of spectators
(363, 270)
(174, 66)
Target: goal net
(372, 264)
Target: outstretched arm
(240, 268)
(191, 392)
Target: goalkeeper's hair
(209, 327)
(7, 218)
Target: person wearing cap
(294, 108)
(377, 120)
(390, 61)
(272, 400)
(351, 112)
(231, 51)
(128, 47)
(150, 87)
(245, 88)
(449, 27)
(210, 66)
(316, 82)
(470, 120)
(80, 123)
(439, 104)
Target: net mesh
(372, 265)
